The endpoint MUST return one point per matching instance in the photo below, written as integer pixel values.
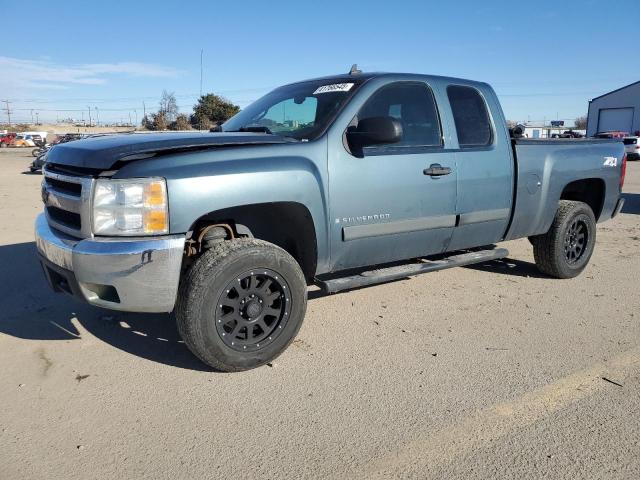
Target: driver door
(385, 204)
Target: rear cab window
(471, 117)
(630, 141)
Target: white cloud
(21, 75)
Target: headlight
(130, 207)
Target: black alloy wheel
(253, 310)
(575, 240)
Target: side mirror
(374, 131)
(517, 131)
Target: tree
(168, 106)
(580, 123)
(212, 109)
(159, 121)
(181, 123)
(147, 123)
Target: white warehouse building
(618, 110)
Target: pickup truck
(343, 181)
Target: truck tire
(241, 304)
(564, 251)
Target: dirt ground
(491, 371)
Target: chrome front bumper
(130, 274)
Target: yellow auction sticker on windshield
(336, 87)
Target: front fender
(202, 182)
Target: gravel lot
(493, 371)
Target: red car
(6, 139)
(612, 134)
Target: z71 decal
(610, 161)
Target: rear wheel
(565, 250)
(241, 304)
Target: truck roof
(348, 77)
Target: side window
(411, 103)
(471, 116)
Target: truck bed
(548, 169)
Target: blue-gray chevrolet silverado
(342, 181)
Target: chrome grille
(67, 200)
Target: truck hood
(103, 152)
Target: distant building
(618, 110)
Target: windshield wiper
(254, 129)
(260, 129)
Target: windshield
(302, 110)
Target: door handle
(436, 170)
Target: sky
(545, 59)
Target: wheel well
(286, 224)
(590, 191)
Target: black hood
(103, 152)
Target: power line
(150, 97)
(123, 109)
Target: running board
(382, 275)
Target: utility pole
(136, 113)
(129, 118)
(37, 119)
(8, 111)
(32, 116)
(89, 114)
(97, 118)
(201, 52)
(144, 108)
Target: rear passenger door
(485, 169)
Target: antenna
(354, 70)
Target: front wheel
(241, 304)
(36, 152)
(565, 250)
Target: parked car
(41, 152)
(6, 139)
(632, 147)
(40, 160)
(38, 136)
(612, 134)
(69, 137)
(570, 134)
(230, 227)
(23, 140)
